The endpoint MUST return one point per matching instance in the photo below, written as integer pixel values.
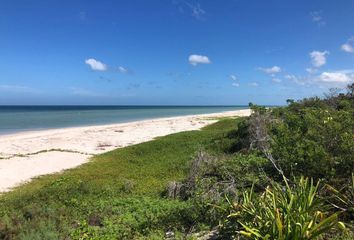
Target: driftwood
(259, 137)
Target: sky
(173, 52)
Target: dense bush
(227, 179)
(312, 137)
(211, 178)
(316, 142)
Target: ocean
(14, 119)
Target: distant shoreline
(85, 127)
(30, 154)
(22, 119)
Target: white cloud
(123, 70)
(96, 65)
(197, 11)
(253, 84)
(198, 59)
(271, 70)
(318, 58)
(336, 77)
(325, 79)
(276, 80)
(288, 76)
(194, 8)
(295, 79)
(317, 18)
(233, 77)
(311, 70)
(347, 48)
(17, 89)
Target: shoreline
(110, 121)
(85, 127)
(27, 155)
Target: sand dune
(30, 154)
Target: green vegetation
(282, 173)
(119, 194)
(314, 141)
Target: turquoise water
(15, 119)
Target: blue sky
(168, 52)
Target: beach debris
(169, 234)
(103, 145)
(174, 189)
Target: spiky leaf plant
(282, 213)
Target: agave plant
(343, 199)
(282, 213)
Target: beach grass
(119, 194)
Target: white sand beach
(30, 154)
